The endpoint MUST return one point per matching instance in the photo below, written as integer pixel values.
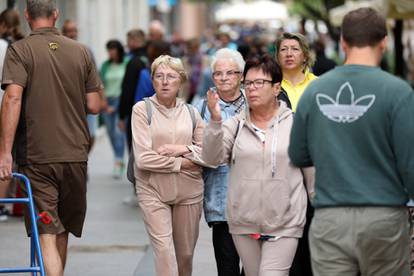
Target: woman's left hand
(172, 150)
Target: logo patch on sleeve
(53, 46)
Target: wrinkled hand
(213, 105)
(171, 150)
(6, 163)
(189, 165)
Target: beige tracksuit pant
(173, 230)
(265, 258)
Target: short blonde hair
(174, 63)
(304, 46)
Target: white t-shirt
(3, 48)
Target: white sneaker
(4, 214)
(118, 170)
(131, 201)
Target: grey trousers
(366, 241)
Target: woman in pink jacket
(266, 201)
(169, 184)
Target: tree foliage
(316, 10)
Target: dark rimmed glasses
(258, 83)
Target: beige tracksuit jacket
(160, 174)
(266, 192)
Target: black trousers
(227, 258)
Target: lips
(253, 98)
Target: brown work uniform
(56, 73)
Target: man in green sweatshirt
(355, 124)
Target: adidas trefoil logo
(345, 109)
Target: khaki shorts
(60, 190)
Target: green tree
(317, 10)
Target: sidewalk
(114, 240)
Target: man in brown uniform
(50, 85)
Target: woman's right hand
(213, 105)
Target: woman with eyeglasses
(266, 201)
(294, 57)
(169, 184)
(227, 67)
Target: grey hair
(40, 8)
(228, 54)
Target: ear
(55, 14)
(276, 88)
(26, 15)
(383, 44)
(344, 45)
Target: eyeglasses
(230, 74)
(259, 83)
(168, 77)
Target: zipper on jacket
(262, 212)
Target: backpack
(148, 106)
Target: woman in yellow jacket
(294, 57)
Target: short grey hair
(40, 8)
(228, 54)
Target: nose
(164, 80)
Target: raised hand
(213, 105)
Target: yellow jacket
(294, 92)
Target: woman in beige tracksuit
(266, 197)
(169, 184)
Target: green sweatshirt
(355, 124)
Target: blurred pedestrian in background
(266, 202)
(168, 181)
(50, 84)
(9, 33)
(322, 63)
(138, 60)
(227, 67)
(70, 30)
(112, 73)
(355, 124)
(294, 57)
(194, 62)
